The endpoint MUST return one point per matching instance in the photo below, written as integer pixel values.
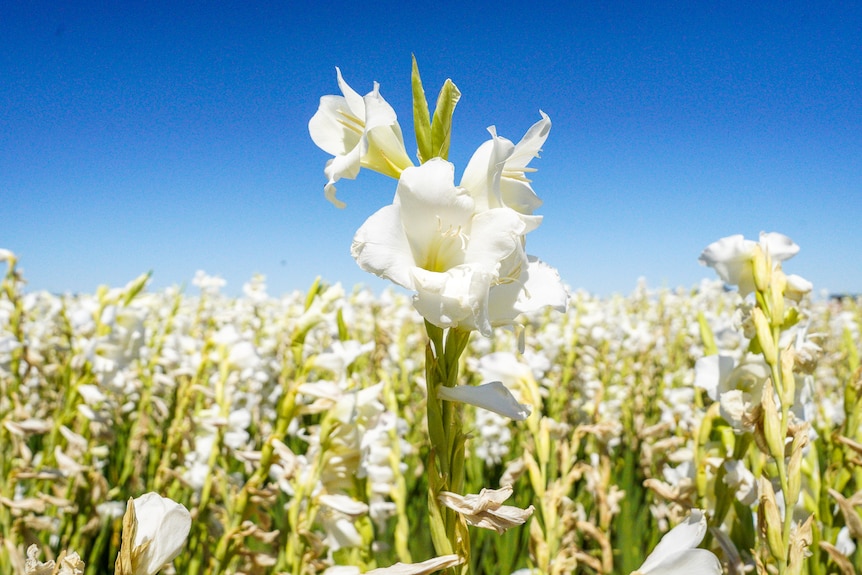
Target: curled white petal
(492, 396)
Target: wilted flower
(155, 529)
(358, 131)
(486, 509)
(676, 553)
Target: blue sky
(172, 136)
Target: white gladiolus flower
(161, 528)
(359, 132)
(432, 240)
(737, 387)
(676, 553)
(492, 396)
(732, 257)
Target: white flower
(737, 388)
(676, 553)
(161, 528)
(431, 240)
(359, 132)
(732, 257)
(486, 509)
(496, 174)
(492, 396)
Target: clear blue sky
(172, 136)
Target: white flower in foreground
(486, 509)
(359, 132)
(492, 396)
(732, 257)
(155, 529)
(676, 553)
(432, 240)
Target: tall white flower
(432, 240)
(676, 553)
(359, 132)
(732, 257)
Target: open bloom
(431, 240)
(676, 553)
(359, 132)
(496, 174)
(732, 257)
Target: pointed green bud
(760, 269)
(441, 124)
(421, 117)
(764, 336)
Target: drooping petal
(424, 568)
(492, 396)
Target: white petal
(778, 246)
(731, 258)
(455, 298)
(165, 524)
(690, 562)
(423, 568)
(685, 536)
(492, 396)
(710, 371)
(380, 246)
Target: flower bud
(778, 284)
(772, 422)
(764, 336)
(760, 265)
(769, 520)
(794, 468)
(788, 378)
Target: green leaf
(421, 118)
(441, 125)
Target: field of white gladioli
(294, 431)
(491, 422)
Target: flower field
(294, 429)
(490, 421)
